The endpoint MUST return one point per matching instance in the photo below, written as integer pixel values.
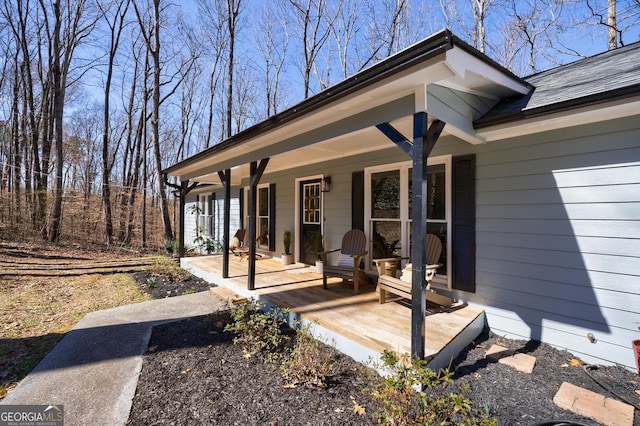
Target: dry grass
(36, 312)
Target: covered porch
(357, 324)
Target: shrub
(412, 394)
(257, 330)
(166, 268)
(171, 246)
(310, 363)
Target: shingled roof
(605, 77)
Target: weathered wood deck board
(358, 317)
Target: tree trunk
(58, 109)
(155, 122)
(612, 39)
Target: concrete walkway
(93, 371)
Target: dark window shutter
(357, 200)
(464, 223)
(272, 217)
(241, 206)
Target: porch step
(228, 296)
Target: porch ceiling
(341, 120)
(360, 141)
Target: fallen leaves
(575, 362)
(358, 409)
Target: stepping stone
(228, 296)
(519, 361)
(583, 402)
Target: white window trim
(246, 210)
(439, 281)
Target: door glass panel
(385, 195)
(311, 212)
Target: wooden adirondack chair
(402, 286)
(353, 250)
(237, 245)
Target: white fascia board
(484, 79)
(577, 117)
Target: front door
(310, 220)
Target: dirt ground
(45, 289)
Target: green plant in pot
(318, 247)
(287, 257)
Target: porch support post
(256, 171)
(184, 185)
(424, 139)
(182, 190)
(225, 178)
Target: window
(265, 214)
(205, 214)
(263, 217)
(388, 211)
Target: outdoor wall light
(326, 184)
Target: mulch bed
(160, 287)
(193, 374)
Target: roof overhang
(542, 121)
(341, 120)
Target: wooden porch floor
(360, 318)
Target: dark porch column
(255, 176)
(225, 178)
(424, 139)
(184, 190)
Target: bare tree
(389, 20)
(314, 28)
(348, 25)
(619, 17)
(533, 23)
(114, 16)
(233, 10)
(477, 10)
(212, 24)
(272, 41)
(76, 28)
(150, 27)
(152, 40)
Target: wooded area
(97, 97)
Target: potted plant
(319, 248)
(287, 257)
